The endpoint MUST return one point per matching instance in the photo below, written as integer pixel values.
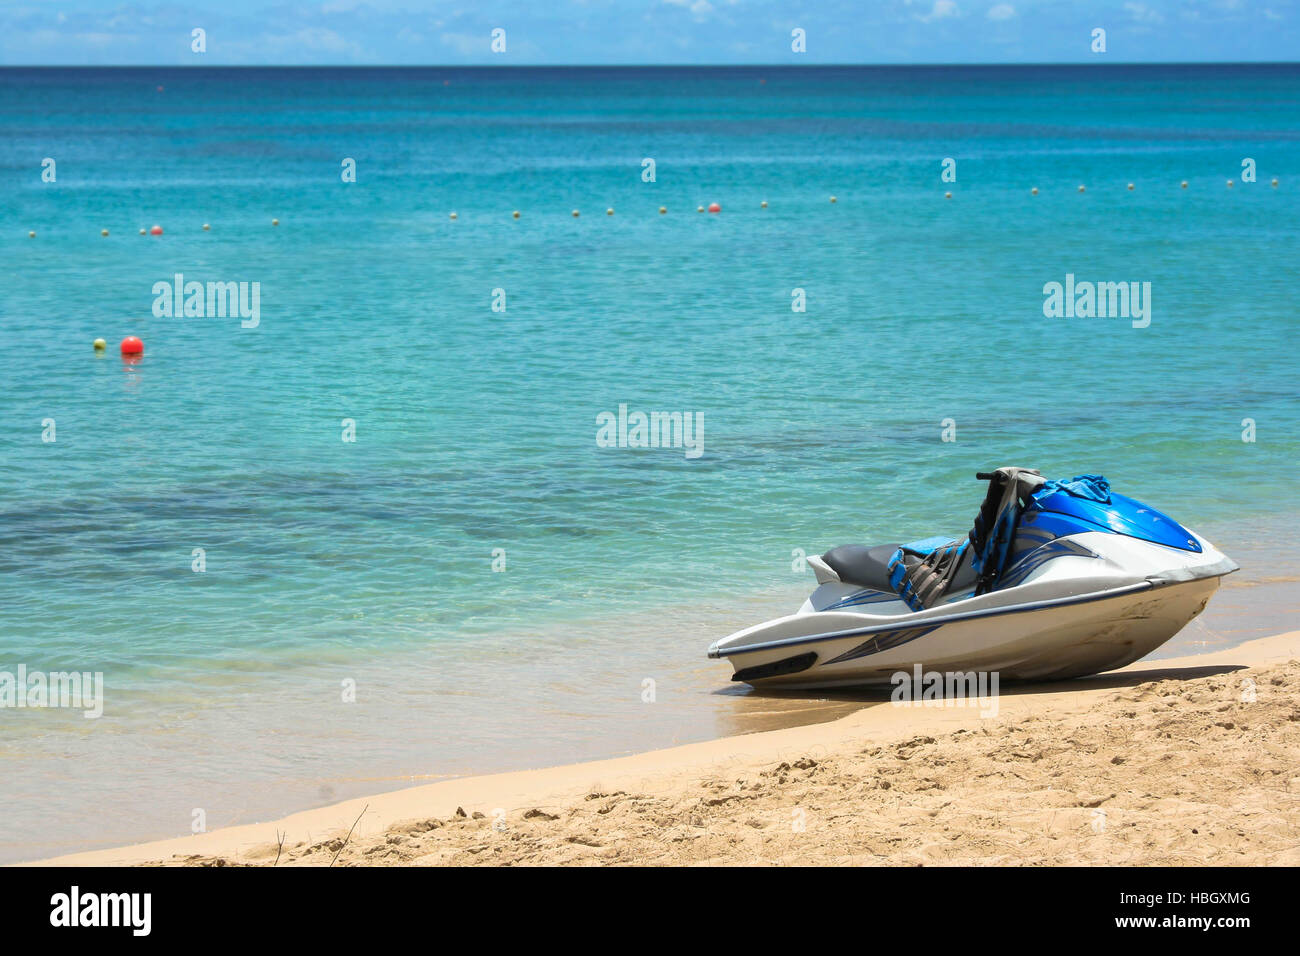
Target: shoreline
(476, 818)
(399, 741)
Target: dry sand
(1162, 763)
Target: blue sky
(458, 32)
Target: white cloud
(700, 8)
(1002, 11)
(467, 44)
(1142, 13)
(318, 38)
(97, 39)
(310, 44)
(941, 10)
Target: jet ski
(1057, 579)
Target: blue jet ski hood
(1088, 499)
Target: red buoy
(156, 231)
(714, 207)
(132, 346)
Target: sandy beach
(1188, 761)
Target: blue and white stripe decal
(941, 619)
(868, 596)
(1031, 562)
(883, 642)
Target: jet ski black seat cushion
(859, 564)
(869, 567)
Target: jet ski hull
(1074, 639)
(1104, 603)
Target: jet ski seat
(869, 567)
(924, 573)
(859, 564)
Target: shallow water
(372, 560)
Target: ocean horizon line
(701, 67)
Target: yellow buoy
(31, 234)
(1080, 187)
(454, 216)
(763, 204)
(833, 199)
(947, 195)
(144, 232)
(1034, 191)
(275, 222)
(1274, 182)
(1229, 183)
(515, 214)
(100, 345)
(1183, 184)
(609, 211)
(1130, 187)
(206, 227)
(103, 232)
(662, 210)
(575, 214)
(697, 209)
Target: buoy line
(712, 207)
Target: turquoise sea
(370, 563)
